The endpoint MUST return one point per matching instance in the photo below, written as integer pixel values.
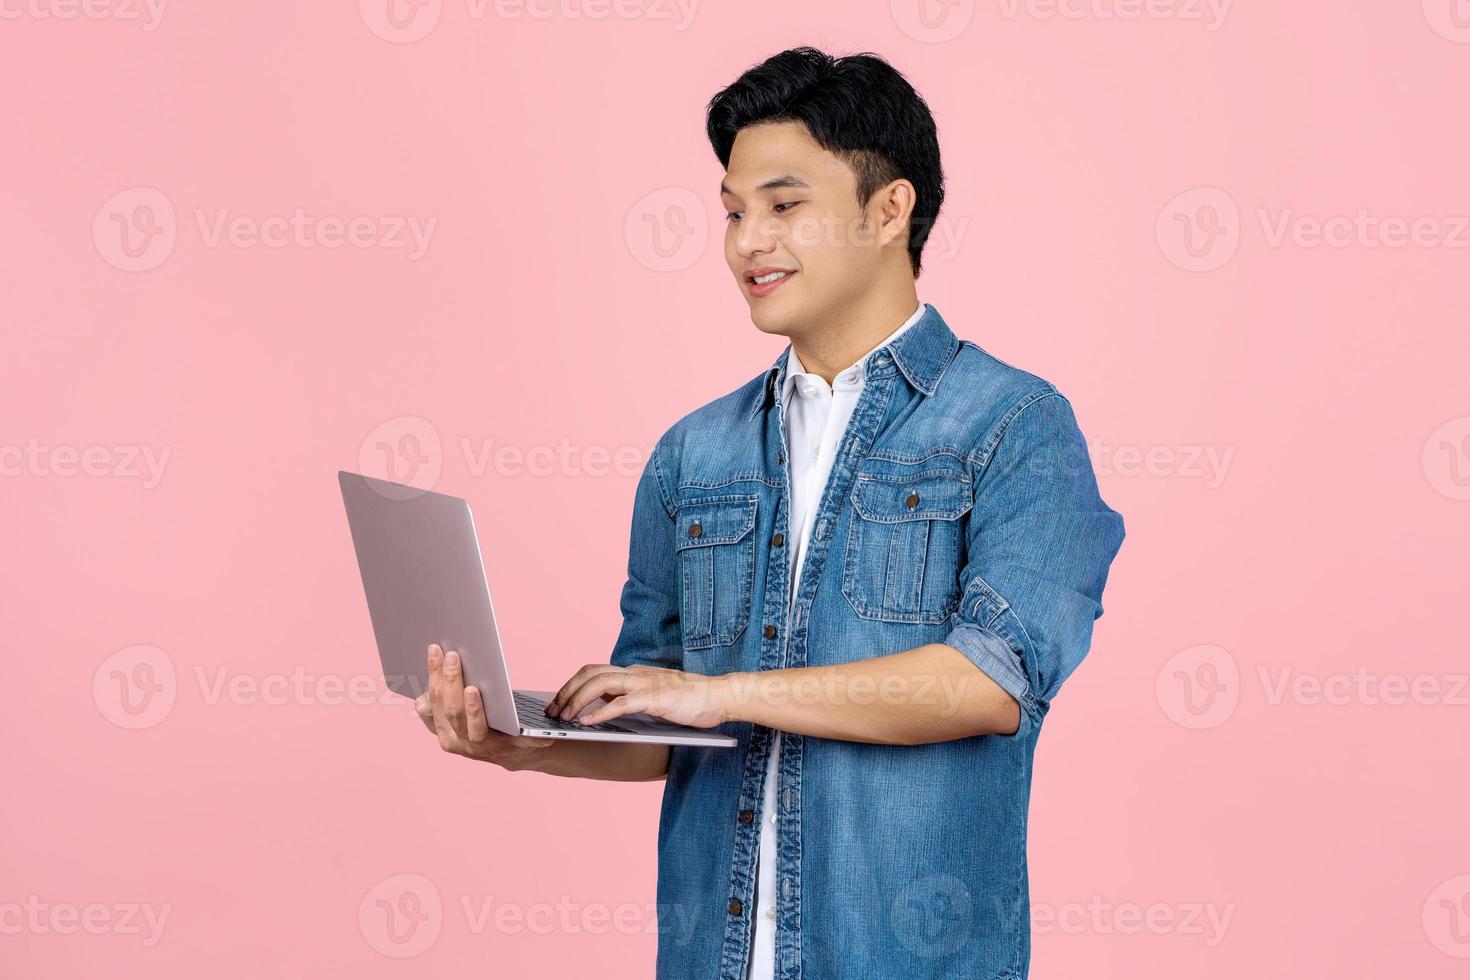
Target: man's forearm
(616, 761)
(931, 693)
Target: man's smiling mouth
(762, 281)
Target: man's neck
(838, 344)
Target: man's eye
(732, 216)
(783, 208)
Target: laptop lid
(425, 583)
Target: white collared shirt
(816, 418)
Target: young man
(875, 563)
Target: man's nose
(753, 237)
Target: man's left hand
(672, 695)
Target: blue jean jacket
(961, 509)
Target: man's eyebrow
(775, 183)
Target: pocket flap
(932, 489)
(714, 520)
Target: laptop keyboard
(531, 713)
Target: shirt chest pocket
(715, 550)
(905, 542)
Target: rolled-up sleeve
(1040, 541)
(650, 634)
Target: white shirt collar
(850, 376)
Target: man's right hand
(456, 715)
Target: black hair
(857, 107)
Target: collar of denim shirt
(922, 353)
(851, 376)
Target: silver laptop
(425, 583)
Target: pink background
(1271, 729)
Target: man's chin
(776, 318)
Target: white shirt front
(816, 418)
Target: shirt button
(912, 501)
(769, 632)
(735, 907)
(771, 914)
(695, 530)
(777, 539)
(747, 816)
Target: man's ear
(895, 202)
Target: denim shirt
(961, 509)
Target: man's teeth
(772, 277)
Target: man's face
(791, 207)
